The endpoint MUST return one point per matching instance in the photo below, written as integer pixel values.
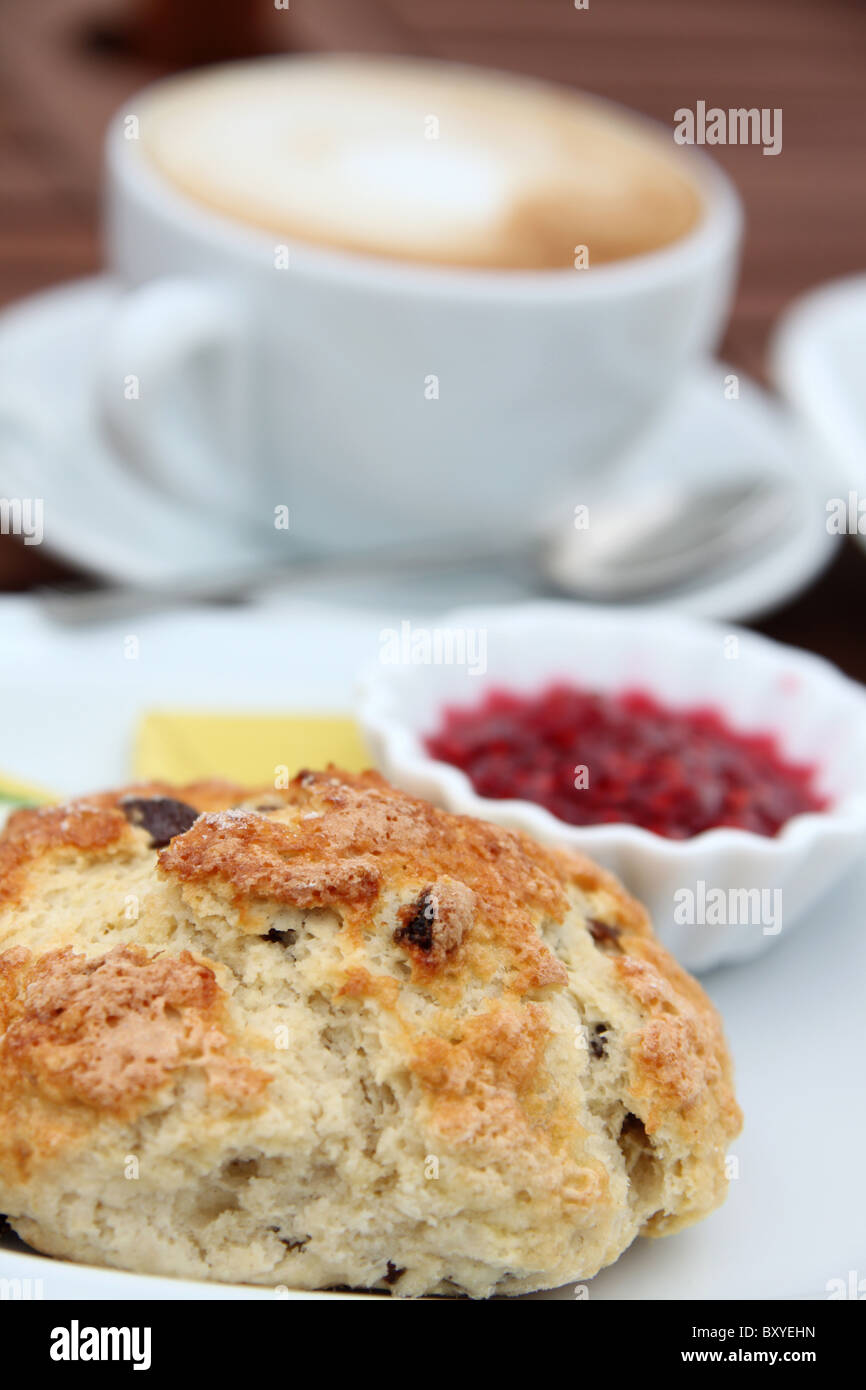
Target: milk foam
(420, 161)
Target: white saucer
(818, 357)
(794, 1219)
(705, 437)
(100, 517)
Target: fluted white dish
(817, 715)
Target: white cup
(384, 402)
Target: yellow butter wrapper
(15, 793)
(253, 749)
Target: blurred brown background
(66, 64)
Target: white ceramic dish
(818, 715)
(794, 1020)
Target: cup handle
(171, 389)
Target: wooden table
(65, 65)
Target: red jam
(592, 758)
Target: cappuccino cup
(398, 301)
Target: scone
(333, 1036)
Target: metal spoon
(647, 542)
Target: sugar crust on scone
(335, 1036)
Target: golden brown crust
(491, 1090)
(679, 1057)
(109, 1031)
(343, 837)
(479, 1082)
(88, 825)
(342, 820)
(29, 834)
(261, 858)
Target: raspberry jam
(592, 758)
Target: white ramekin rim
(406, 757)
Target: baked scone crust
(332, 1035)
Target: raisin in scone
(334, 1036)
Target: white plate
(98, 516)
(795, 1218)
